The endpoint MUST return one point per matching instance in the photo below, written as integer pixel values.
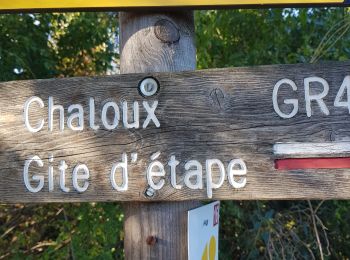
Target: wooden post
(157, 42)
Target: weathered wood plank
(223, 114)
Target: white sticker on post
(203, 232)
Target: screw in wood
(150, 192)
(148, 87)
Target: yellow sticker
(209, 252)
(72, 4)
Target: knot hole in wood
(166, 31)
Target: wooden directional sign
(93, 4)
(269, 132)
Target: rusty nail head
(151, 240)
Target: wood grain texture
(223, 114)
(157, 42)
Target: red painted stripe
(312, 163)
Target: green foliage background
(83, 44)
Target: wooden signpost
(269, 132)
(30, 5)
(150, 42)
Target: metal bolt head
(150, 192)
(148, 87)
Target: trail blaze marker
(220, 134)
(93, 4)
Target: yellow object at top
(76, 4)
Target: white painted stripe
(311, 148)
